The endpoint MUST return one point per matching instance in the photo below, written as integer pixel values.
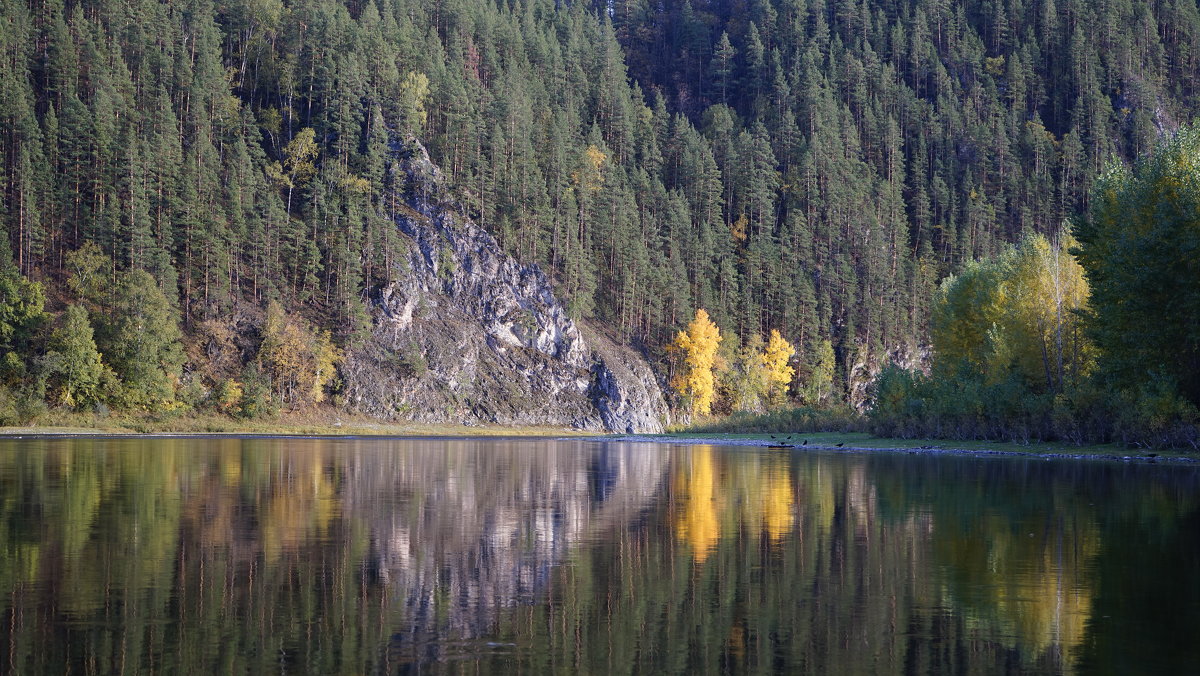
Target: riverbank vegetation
(120, 349)
(182, 171)
(786, 420)
(1086, 341)
(316, 421)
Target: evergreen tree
(71, 367)
(21, 315)
(140, 339)
(1137, 247)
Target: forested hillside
(811, 166)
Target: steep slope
(814, 167)
(465, 334)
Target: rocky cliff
(463, 333)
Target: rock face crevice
(463, 333)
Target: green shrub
(898, 408)
(10, 410)
(784, 420)
(257, 400)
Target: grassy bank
(803, 428)
(319, 422)
(843, 429)
(864, 441)
(783, 420)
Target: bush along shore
(1088, 339)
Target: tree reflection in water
(357, 556)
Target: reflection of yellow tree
(1049, 606)
(777, 499)
(761, 490)
(764, 490)
(301, 508)
(699, 522)
(230, 455)
(1032, 588)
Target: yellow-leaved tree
(298, 166)
(1047, 290)
(414, 99)
(778, 371)
(299, 361)
(590, 176)
(698, 348)
(760, 374)
(1019, 314)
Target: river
(368, 556)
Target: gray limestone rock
(465, 334)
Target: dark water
(254, 556)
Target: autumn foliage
(299, 361)
(1017, 316)
(775, 361)
(698, 348)
(751, 377)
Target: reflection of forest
(781, 562)
(825, 564)
(257, 542)
(358, 556)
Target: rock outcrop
(466, 334)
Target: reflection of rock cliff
(477, 527)
(465, 333)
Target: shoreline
(382, 436)
(856, 443)
(297, 430)
(939, 448)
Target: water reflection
(1023, 571)
(750, 491)
(361, 556)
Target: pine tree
(22, 314)
(722, 65)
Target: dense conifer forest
(815, 167)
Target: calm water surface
(355, 556)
